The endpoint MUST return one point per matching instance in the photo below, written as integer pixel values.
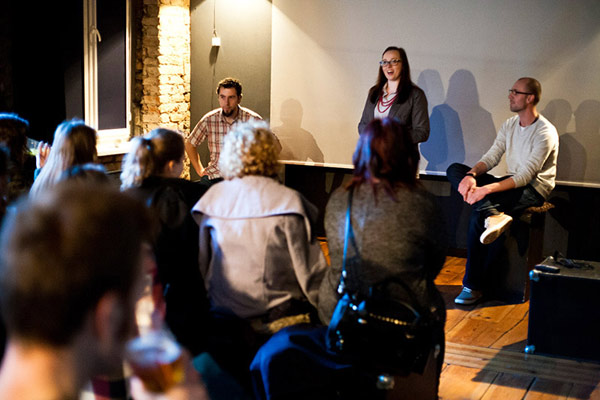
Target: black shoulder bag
(377, 329)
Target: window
(107, 55)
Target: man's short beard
(230, 113)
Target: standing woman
(74, 144)
(396, 96)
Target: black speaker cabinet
(564, 310)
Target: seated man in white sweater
(530, 143)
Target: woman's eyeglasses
(385, 63)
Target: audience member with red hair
(399, 233)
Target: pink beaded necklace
(384, 105)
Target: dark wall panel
(245, 53)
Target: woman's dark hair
(406, 84)
(149, 155)
(4, 153)
(13, 134)
(385, 156)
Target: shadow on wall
(430, 82)
(587, 133)
(571, 155)
(577, 211)
(297, 144)
(461, 130)
(579, 151)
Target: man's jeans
(512, 202)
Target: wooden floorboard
(553, 368)
(508, 387)
(485, 356)
(459, 382)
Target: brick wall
(162, 66)
(112, 162)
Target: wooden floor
(484, 353)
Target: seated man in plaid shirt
(214, 126)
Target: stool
(522, 250)
(536, 218)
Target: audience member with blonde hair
(258, 254)
(74, 144)
(159, 153)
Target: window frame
(110, 141)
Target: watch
(470, 174)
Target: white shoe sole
(489, 235)
(467, 302)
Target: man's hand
(192, 154)
(467, 185)
(477, 193)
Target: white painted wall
(465, 54)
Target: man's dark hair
(534, 87)
(61, 252)
(228, 83)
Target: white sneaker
(495, 226)
(468, 296)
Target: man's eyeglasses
(385, 63)
(515, 92)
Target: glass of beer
(32, 146)
(157, 360)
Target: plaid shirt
(214, 127)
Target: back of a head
(3, 162)
(13, 135)
(249, 149)
(89, 172)
(3, 180)
(149, 155)
(61, 252)
(385, 153)
(74, 144)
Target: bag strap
(349, 237)
(348, 233)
